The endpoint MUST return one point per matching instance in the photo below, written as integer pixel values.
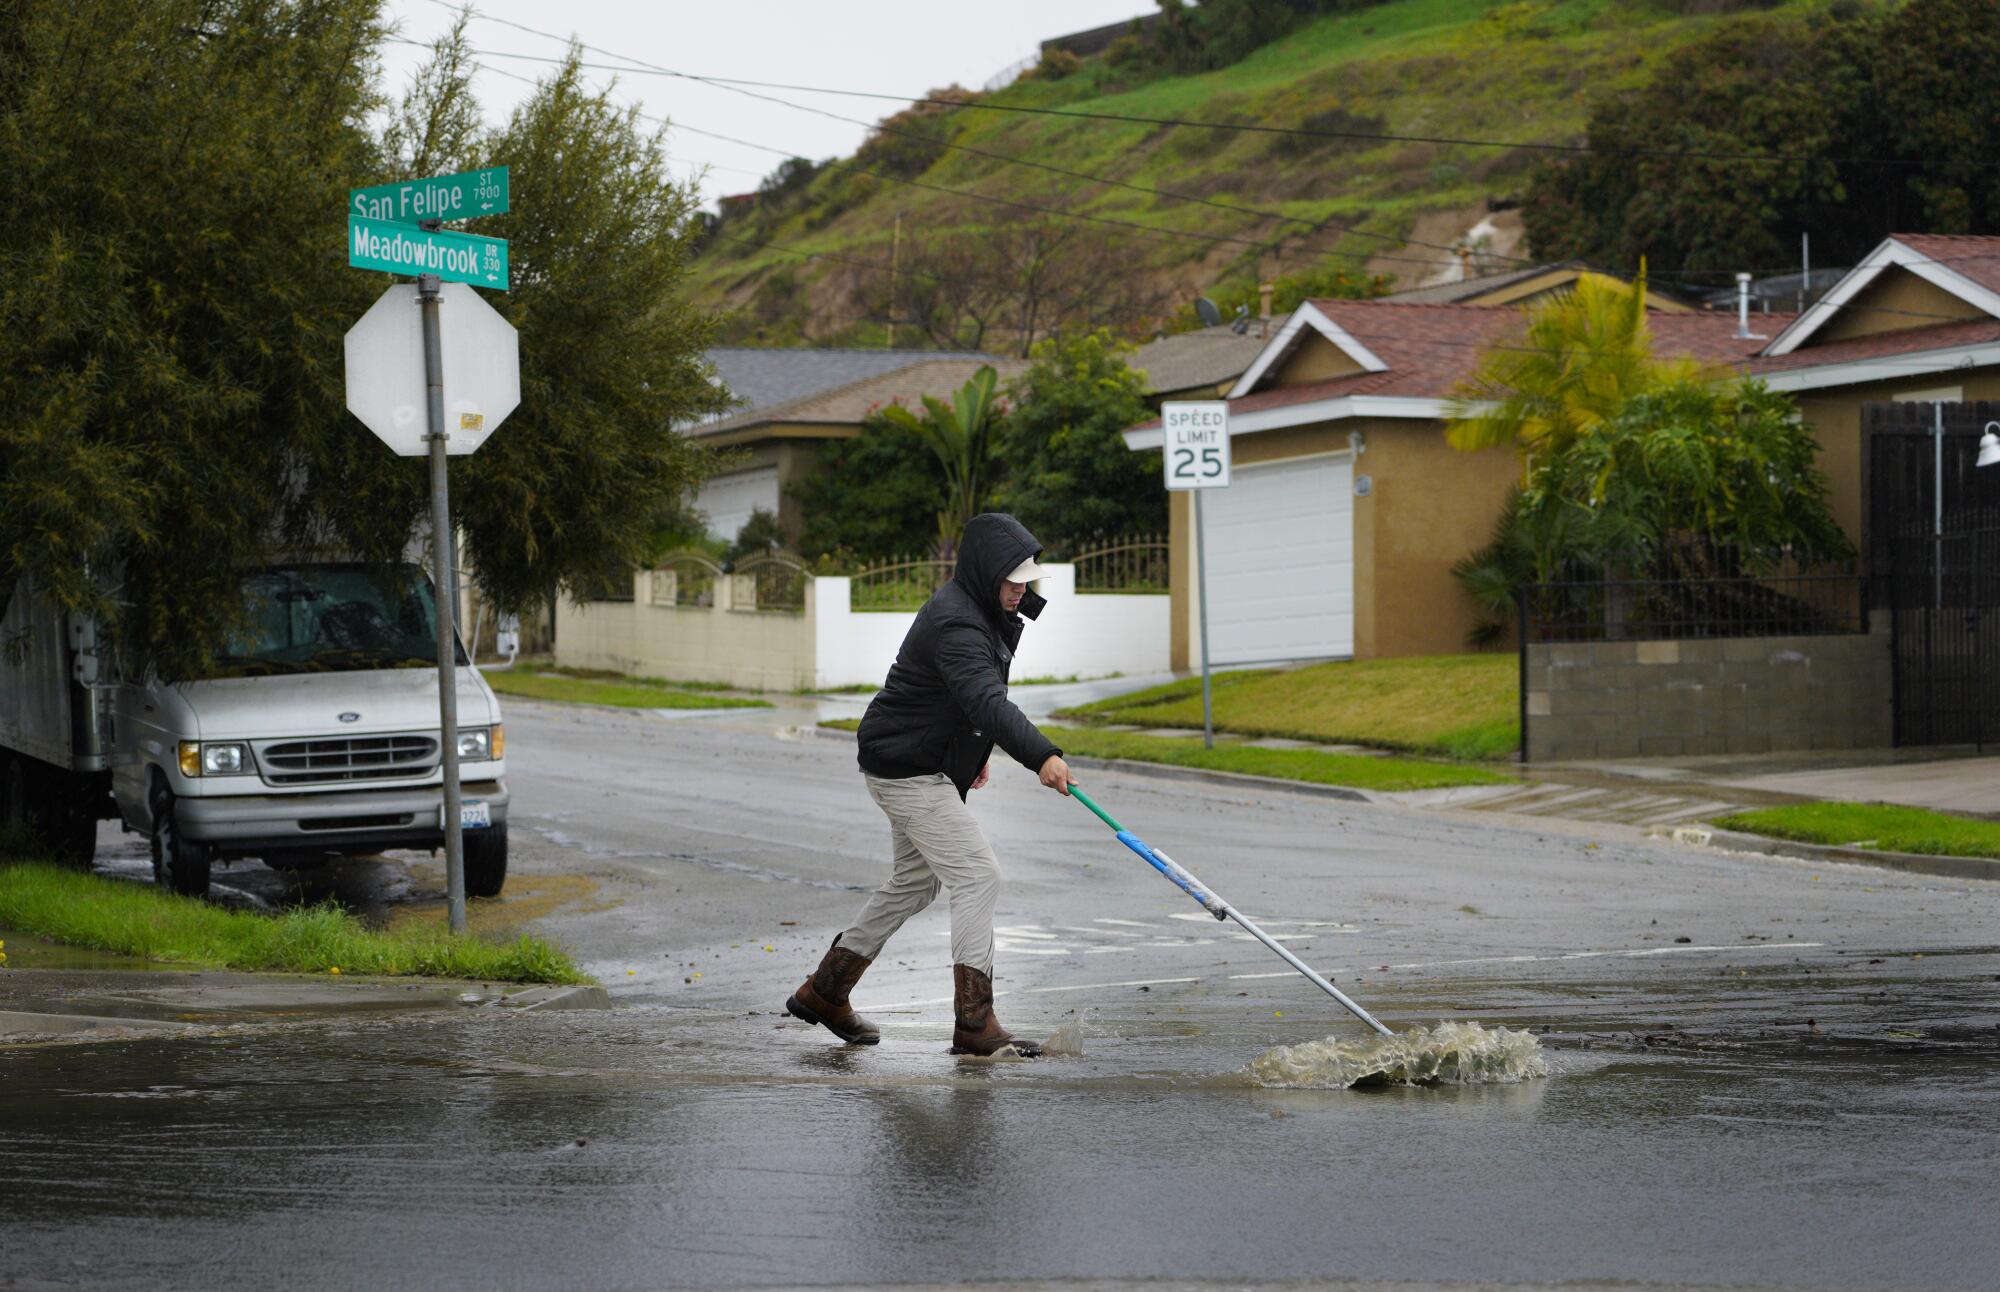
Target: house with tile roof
(791, 401)
(1347, 508)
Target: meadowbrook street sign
(441, 197)
(393, 227)
(406, 249)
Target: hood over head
(992, 545)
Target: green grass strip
(1353, 771)
(1872, 825)
(1459, 706)
(1317, 767)
(113, 915)
(627, 694)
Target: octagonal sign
(481, 359)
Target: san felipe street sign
(393, 227)
(441, 197)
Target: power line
(1211, 238)
(642, 66)
(1123, 118)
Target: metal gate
(1931, 537)
(1945, 591)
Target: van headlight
(215, 758)
(475, 745)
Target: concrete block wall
(1751, 695)
(831, 644)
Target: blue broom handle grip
(1172, 870)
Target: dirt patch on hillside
(1498, 242)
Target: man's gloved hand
(1055, 774)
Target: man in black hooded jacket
(925, 741)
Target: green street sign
(406, 249)
(441, 197)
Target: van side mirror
(85, 666)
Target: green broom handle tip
(1076, 792)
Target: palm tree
(961, 434)
(1582, 356)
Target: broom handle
(1221, 910)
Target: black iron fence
(1136, 563)
(1800, 605)
(1945, 603)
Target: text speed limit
(1197, 444)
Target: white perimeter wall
(831, 644)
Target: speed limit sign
(1197, 444)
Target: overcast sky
(887, 46)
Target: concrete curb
(1169, 772)
(1913, 862)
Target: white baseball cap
(1026, 572)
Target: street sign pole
(445, 582)
(1201, 594)
(1194, 442)
(399, 228)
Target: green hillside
(1523, 71)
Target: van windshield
(333, 618)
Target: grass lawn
(1872, 825)
(1354, 771)
(112, 915)
(1460, 706)
(624, 693)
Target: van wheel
(179, 863)
(486, 860)
(15, 799)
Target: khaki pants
(934, 843)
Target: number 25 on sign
(1196, 440)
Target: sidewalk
(43, 999)
(1943, 779)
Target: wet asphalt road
(1805, 1092)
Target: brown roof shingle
(849, 405)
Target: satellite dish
(1210, 316)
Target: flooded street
(1762, 1073)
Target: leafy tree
(1891, 110)
(1688, 480)
(1583, 356)
(873, 497)
(961, 435)
(1070, 475)
(173, 298)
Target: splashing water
(1448, 1054)
(1066, 1040)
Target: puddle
(1448, 1054)
(28, 951)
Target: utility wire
(1123, 118)
(642, 66)
(878, 266)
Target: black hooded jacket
(945, 704)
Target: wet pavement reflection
(657, 1145)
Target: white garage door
(728, 500)
(1281, 562)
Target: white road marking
(1131, 924)
(1632, 953)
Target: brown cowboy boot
(976, 1031)
(822, 997)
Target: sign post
(1196, 459)
(466, 375)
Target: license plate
(474, 816)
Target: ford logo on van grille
(350, 717)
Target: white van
(314, 736)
